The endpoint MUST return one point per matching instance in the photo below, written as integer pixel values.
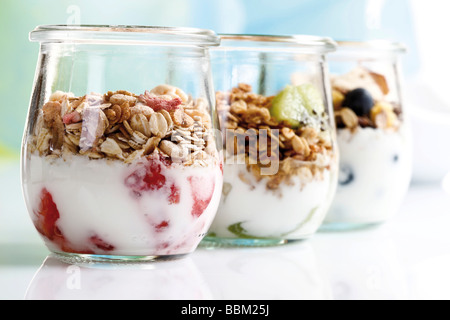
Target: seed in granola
(140, 123)
(158, 125)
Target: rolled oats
(246, 114)
(122, 126)
(139, 123)
(158, 125)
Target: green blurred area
(18, 56)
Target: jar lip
(373, 45)
(316, 43)
(125, 34)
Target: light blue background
(340, 19)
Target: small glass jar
(373, 134)
(119, 159)
(280, 168)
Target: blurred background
(417, 23)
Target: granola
(253, 134)
(360, 101)
(122, 126)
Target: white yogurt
(293, 212)
(375, 173)
(106, 207)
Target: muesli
(374, 149)
(279, 163)
(121, 173)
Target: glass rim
(380, 45)
(125, 34)
(316, 43)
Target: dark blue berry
(346, 175)
(360, 101)
(396, 158)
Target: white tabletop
(407, 258)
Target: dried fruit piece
(156, 103)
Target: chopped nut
(349, 118)
(239, 107)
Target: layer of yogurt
(106, 207)
(376, 166)
(294, 212)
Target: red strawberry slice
(101, 244)
(202, 190)
(48, 215)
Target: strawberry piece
(202, 191)
(73, 117)
(101, 244)
(175, 195)
(158, 104)
(48, 214)
(146, 178)
(162, 226)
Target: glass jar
(373, 134)
(119, 159)
(280, 168)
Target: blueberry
(396, 158)
(360, 101)
(346, 176)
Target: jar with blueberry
(372, 132)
